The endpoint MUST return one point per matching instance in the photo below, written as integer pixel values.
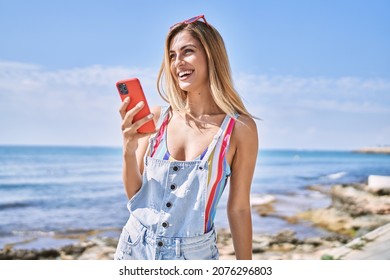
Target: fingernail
(127, 99)
(140, 104)
(150, 116)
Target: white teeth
(187, 72)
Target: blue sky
(316, 72)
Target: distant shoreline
(374, 150)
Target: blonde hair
(221, 84)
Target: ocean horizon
(49, 193)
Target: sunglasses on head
(191, 20)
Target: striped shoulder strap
(223, 136)
(155, 140)
(164, 112)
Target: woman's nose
(179, 60)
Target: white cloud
(19, 77)
(332, 113)
(80, 106)
(77, 100)
(345, 94)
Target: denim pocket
(207, 252)
(204, 249)
(129, 238)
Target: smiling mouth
(185, 74)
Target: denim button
(160, 244)
(200, 168)
(173, 186)
(175, 168)
(165, 224)
(169, 205)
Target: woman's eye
(172, 56)
(188, 51)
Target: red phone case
(132, 88)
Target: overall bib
(168, 214)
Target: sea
(52, 196)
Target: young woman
(175, 177)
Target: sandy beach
(357, 221)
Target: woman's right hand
(129, 129)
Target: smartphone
(132, 88)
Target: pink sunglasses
(191, 20)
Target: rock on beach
(354, 211)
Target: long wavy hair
(220, 79)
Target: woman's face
(188, 63)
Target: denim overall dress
(167, 214)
